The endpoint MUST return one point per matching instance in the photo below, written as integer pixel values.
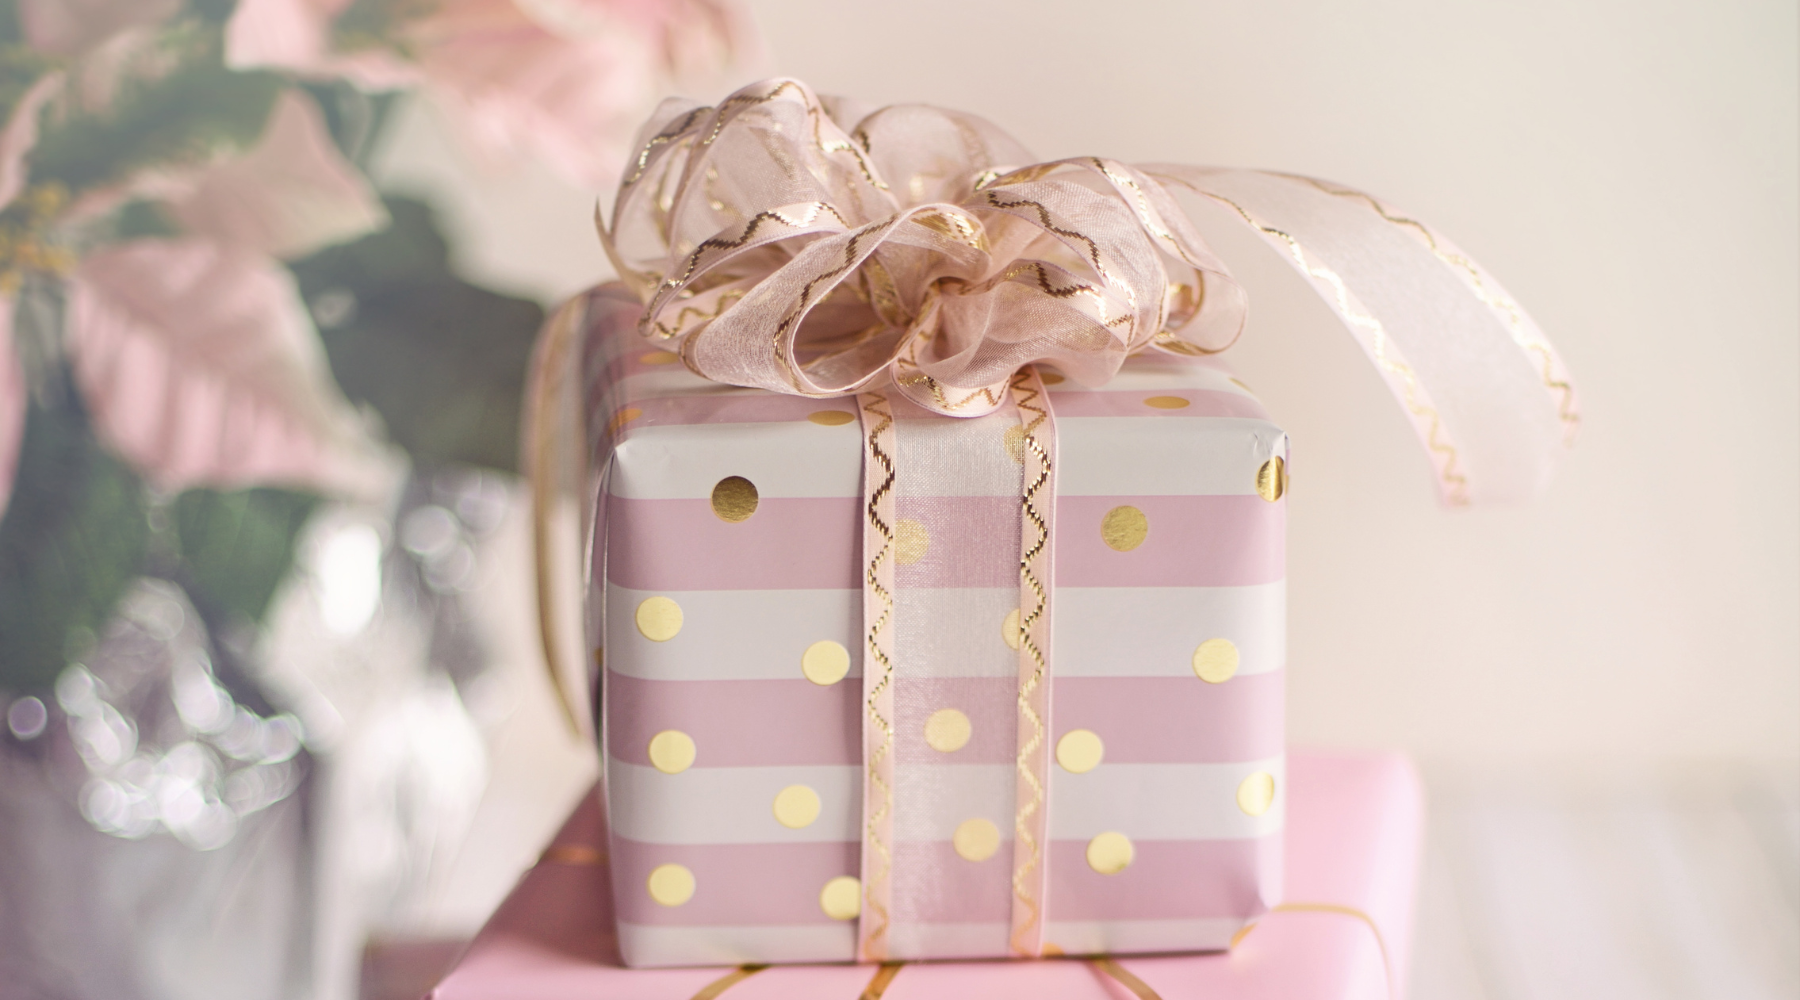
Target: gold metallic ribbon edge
(1390, 361)
(1552, 372)
(1037, 510)
(878, 675)
(544, 452)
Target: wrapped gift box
(1353, 834)
(726, 595)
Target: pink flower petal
(21, 133)
(12, 406)
(200, 367)
(68, 27)
(289, 195)
(296, 35)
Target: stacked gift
(937, 565)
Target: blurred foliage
(80, 528)
(236, 548)
(74, 536)
(184, 116)
(443, 361)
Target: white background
(1628, 169)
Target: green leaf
(237, 547)
(184, 117)
(441, 360)
(73, 538)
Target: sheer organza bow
(787, 242)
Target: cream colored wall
(1628, 169)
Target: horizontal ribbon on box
(918, 255)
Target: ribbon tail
(1487, 395)
(553, 468)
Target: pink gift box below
(1354, 829)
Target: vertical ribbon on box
(1037, 503)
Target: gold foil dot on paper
(670, 885)
(976, 839)
(1110, 853)
(1215, 660)
(796, 806)
(830, 418)
(1271, 479)
(1050, 950)
(1166, 402)
(1080, 751)
(1050, 378)
(841, 899)
(658, 619)
(911, 541)
(1009, 629)
(947, 731)
(825, 662)
(1256, 793)
(734, 499)
(623, 416)
(671, 751)
(1014, 440)
(1124, 528)
(659, 358)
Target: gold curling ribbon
(1387, 965)
(879, 983)
(540, 452)
(1123, 977)
(711, 990)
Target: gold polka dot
(1050, 950)
(1009, 629)
(1110, 853)
(1080, 751)
(658, 619)
(734, 499)
(659, 358)
(624, 415)
(976, 839)
(841, 899)
(672, 751)
(947, 731)
(825, 662)
(830, 418)
(911, 541)
(1215, 660)
(1124, 528)
(1166, 402)
(1256, 793)
(1271, 479)
(1014, 440)
(796, 806)
(1239, 384)
(670, 885)
(1050, 378)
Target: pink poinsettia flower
(196, 356)
(565, 81)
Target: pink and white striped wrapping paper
(756, 594)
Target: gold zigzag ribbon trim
(1456, 485)
(875, 404)
(1026, 392)
(1497, 301)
